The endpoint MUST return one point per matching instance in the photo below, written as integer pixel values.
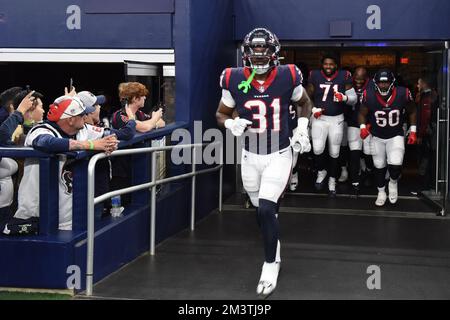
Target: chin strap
(245, 85)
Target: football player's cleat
(321, 175)
(344, 174)
(268, 280)
(381, 198)
(332, 186)
(293, 183)
(393, 191)
(355, 190)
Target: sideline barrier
(92, 200)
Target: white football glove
(300, 140)
(237, 125)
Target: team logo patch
(97, 129)
(124, 118)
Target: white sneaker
(393, 191)
(344, 174)
(268, 280)
(332, 186)
(294, 182)
(381, 199)
(321, 175)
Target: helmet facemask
(383, 91)
(260, 50)
(384, 76)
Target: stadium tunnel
(409, 60)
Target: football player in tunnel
(332, 92)
(356, 144)
(385, 104)
(261, 92)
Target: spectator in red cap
(57, 135)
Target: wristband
(413, 128)
(91, 145)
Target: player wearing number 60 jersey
(385, 104)
(261, 93)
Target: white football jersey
(90, 132)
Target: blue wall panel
(129, 6)
(309, 20)
(204, 46)
(42, 24)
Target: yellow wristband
(91, 145)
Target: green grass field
(6, 295)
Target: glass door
(438, 193)
(160, 81)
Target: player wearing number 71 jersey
(333, 93)
(261, 93)
(385, 104)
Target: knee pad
(334, 150)
(395, 171)
(396, 157)
(318, 137)
(379, 162)
(250, 183)
(318, 146)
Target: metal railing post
(194, 158)
(220, 178)
(153, 207)
(92, 200)
(438, 124)
(90, 226)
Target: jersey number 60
(392, 119)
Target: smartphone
(27, 88)
(70, 84)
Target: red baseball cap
(64, 108)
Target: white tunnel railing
(92, 200)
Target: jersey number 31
(259, 112)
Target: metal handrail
(92, 200)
